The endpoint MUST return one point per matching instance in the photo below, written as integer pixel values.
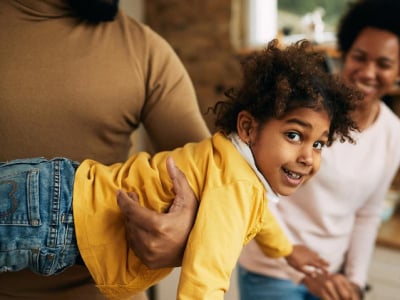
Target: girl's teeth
(293, 175)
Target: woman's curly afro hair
(277, 81)
(380, 14)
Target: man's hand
(332, 287)
(158, 239)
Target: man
(82, 76)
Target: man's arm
(159, 239)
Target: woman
(337, 214)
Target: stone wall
(199, 31)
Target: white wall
(263, 22)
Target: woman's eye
(294, 136)
(385, 66)
(358, 57)
(319, 145)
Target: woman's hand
(159, 239)
(307, 261)
(332, 287)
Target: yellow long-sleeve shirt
(233, 210)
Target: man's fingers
(173, 173)
(158, 239)
(133, 196)
(132, 210)
(185, 198)
(126, 203)
(171, 168)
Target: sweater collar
(245, 151)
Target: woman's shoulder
(388, 115)
(390, 129)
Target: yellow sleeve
(215, 242)
(271, 239)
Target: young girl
(272, 131)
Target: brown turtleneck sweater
(72, 89)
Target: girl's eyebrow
(304, 124)
(299, 122)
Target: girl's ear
(246, 126)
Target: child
(272, 131)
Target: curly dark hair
(381, 14)
(277, 81)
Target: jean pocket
(40, 260)
(19, 192)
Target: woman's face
(372, 63)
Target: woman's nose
(369, 70)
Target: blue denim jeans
(36, 220)
(253, 286)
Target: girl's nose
(306, 156)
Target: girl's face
(372, 63)
(287, 151)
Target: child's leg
(36, 221)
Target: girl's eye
(293, 136)
(319, 145)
